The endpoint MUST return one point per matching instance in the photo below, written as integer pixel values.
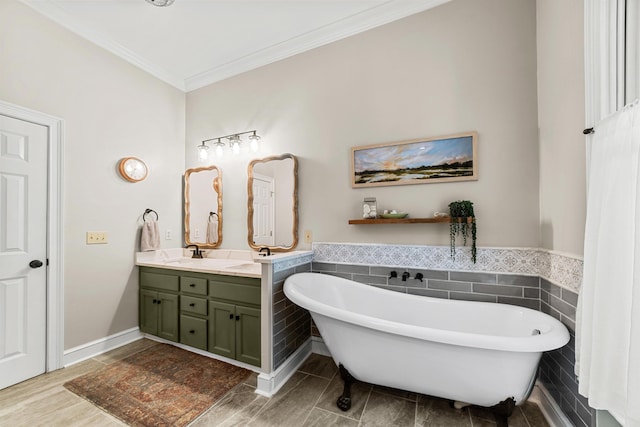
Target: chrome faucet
(262, 249)
(197, 253)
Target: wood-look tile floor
(307, 399)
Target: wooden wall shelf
(445, 219)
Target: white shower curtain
(608, 317)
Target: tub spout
(405, 276)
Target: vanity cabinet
(211, 312)
(158, 314)
(234, 319)
(234, 332)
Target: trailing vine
(459, 213)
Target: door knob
(36, 263)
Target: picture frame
(448, 158)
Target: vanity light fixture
(234, 142)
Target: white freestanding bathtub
(474, 352)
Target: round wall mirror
(203, 207)
(273, 203)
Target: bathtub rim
(556, 337)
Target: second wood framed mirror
(273, 203)
(203, 207)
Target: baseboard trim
(319, 347)
(269, 384)
(102, 345)
(549, 407)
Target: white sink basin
(204, 262)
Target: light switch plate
(97, 237)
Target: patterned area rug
(160, 386)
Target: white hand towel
(150, 236)
(212, 230)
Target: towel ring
(148, 211)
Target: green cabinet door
(248, 335)
(148, 311)
(193, 331)
(168, 316)
(222, 327)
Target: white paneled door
(263, 210)
(23, 249)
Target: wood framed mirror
(203, 207)
(273, 203)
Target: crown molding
(58, 15)
(349, 26)
(388, 12)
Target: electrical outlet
(168, 235)
(307, 236)
(196, 232)
(97, 237)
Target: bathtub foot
(344, 401)
(503, 410)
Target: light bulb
(203, 152)
(219, 151)
(236, 147)
(253, 142)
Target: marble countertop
(215, 261)
(230, 262)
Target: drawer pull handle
(192, 331)
(193, 304)
(231, 316)
(237, 317)
(193, 285)
(155, 301)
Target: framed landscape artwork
(418, 161)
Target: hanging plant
(460, 212)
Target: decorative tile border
(291, 262)
(563, 270)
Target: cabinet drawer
(193, 305)
(235, 292)
(163, 282)
(193, 332)
(193, 285)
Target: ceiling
(193, 43)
